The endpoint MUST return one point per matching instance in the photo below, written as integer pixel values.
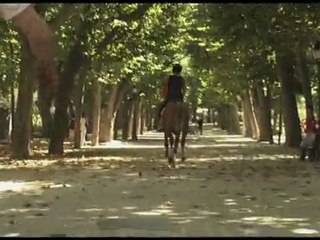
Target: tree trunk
(128, 116)
(23, 115)
(96, 112)
(79, 90)
(5, 122)
(44, 105)
(289, 104)
(213, 117)
(142, 118)
(247, 115)
(222, 119)
(12, 102)
(125, 115)
(194, 112)
(107, 116)
(149, 117)
(262, 111)
(280, 122)
(233, 125)
(209, 116)
(46, 90)
(74, 62)
(136, 119)
(117, 124)
(305, 76)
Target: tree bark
(136, 119)
(79, 90)
(209, 115)
(96, 113)
(74, 62)
(149, 117)
(222, 119)
(12, 102)
(107, 116)
(262, 111)
(128, 117)
(305, 76)
(289, 104)
(247, 115)
(142, 118)
(117, 124)
(44, 104)
(23, 116)
(233, 125)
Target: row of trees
(253, 56)
(260, 54)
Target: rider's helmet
(177, 68)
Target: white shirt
(9, 10)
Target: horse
(175, 123)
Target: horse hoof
(171, 163)
(171, 166)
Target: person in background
(310, 130)
(83, 129)
(200, 124)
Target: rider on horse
(173, 90)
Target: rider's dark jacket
(173, 88)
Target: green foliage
(224, 48)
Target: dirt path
(229, 186)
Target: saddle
(175, 117)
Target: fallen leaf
(39, 214)
(137, 197)
(306, 194)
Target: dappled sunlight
(115, 217)
(304, 231)
(274, 157)
(23, 210)
(232, 138)
(241, 210)
(204, 213)
(126, 188)
(152, 212)
(111, 144)
(218, 145)
(90, 210)
(22, 187)
(12, 235)
(230, 202)
(129, 208)
(276, 222)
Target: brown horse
(175, 123)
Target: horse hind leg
(166, 144)
(171, 155)
(176, 143)
(183, 142)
